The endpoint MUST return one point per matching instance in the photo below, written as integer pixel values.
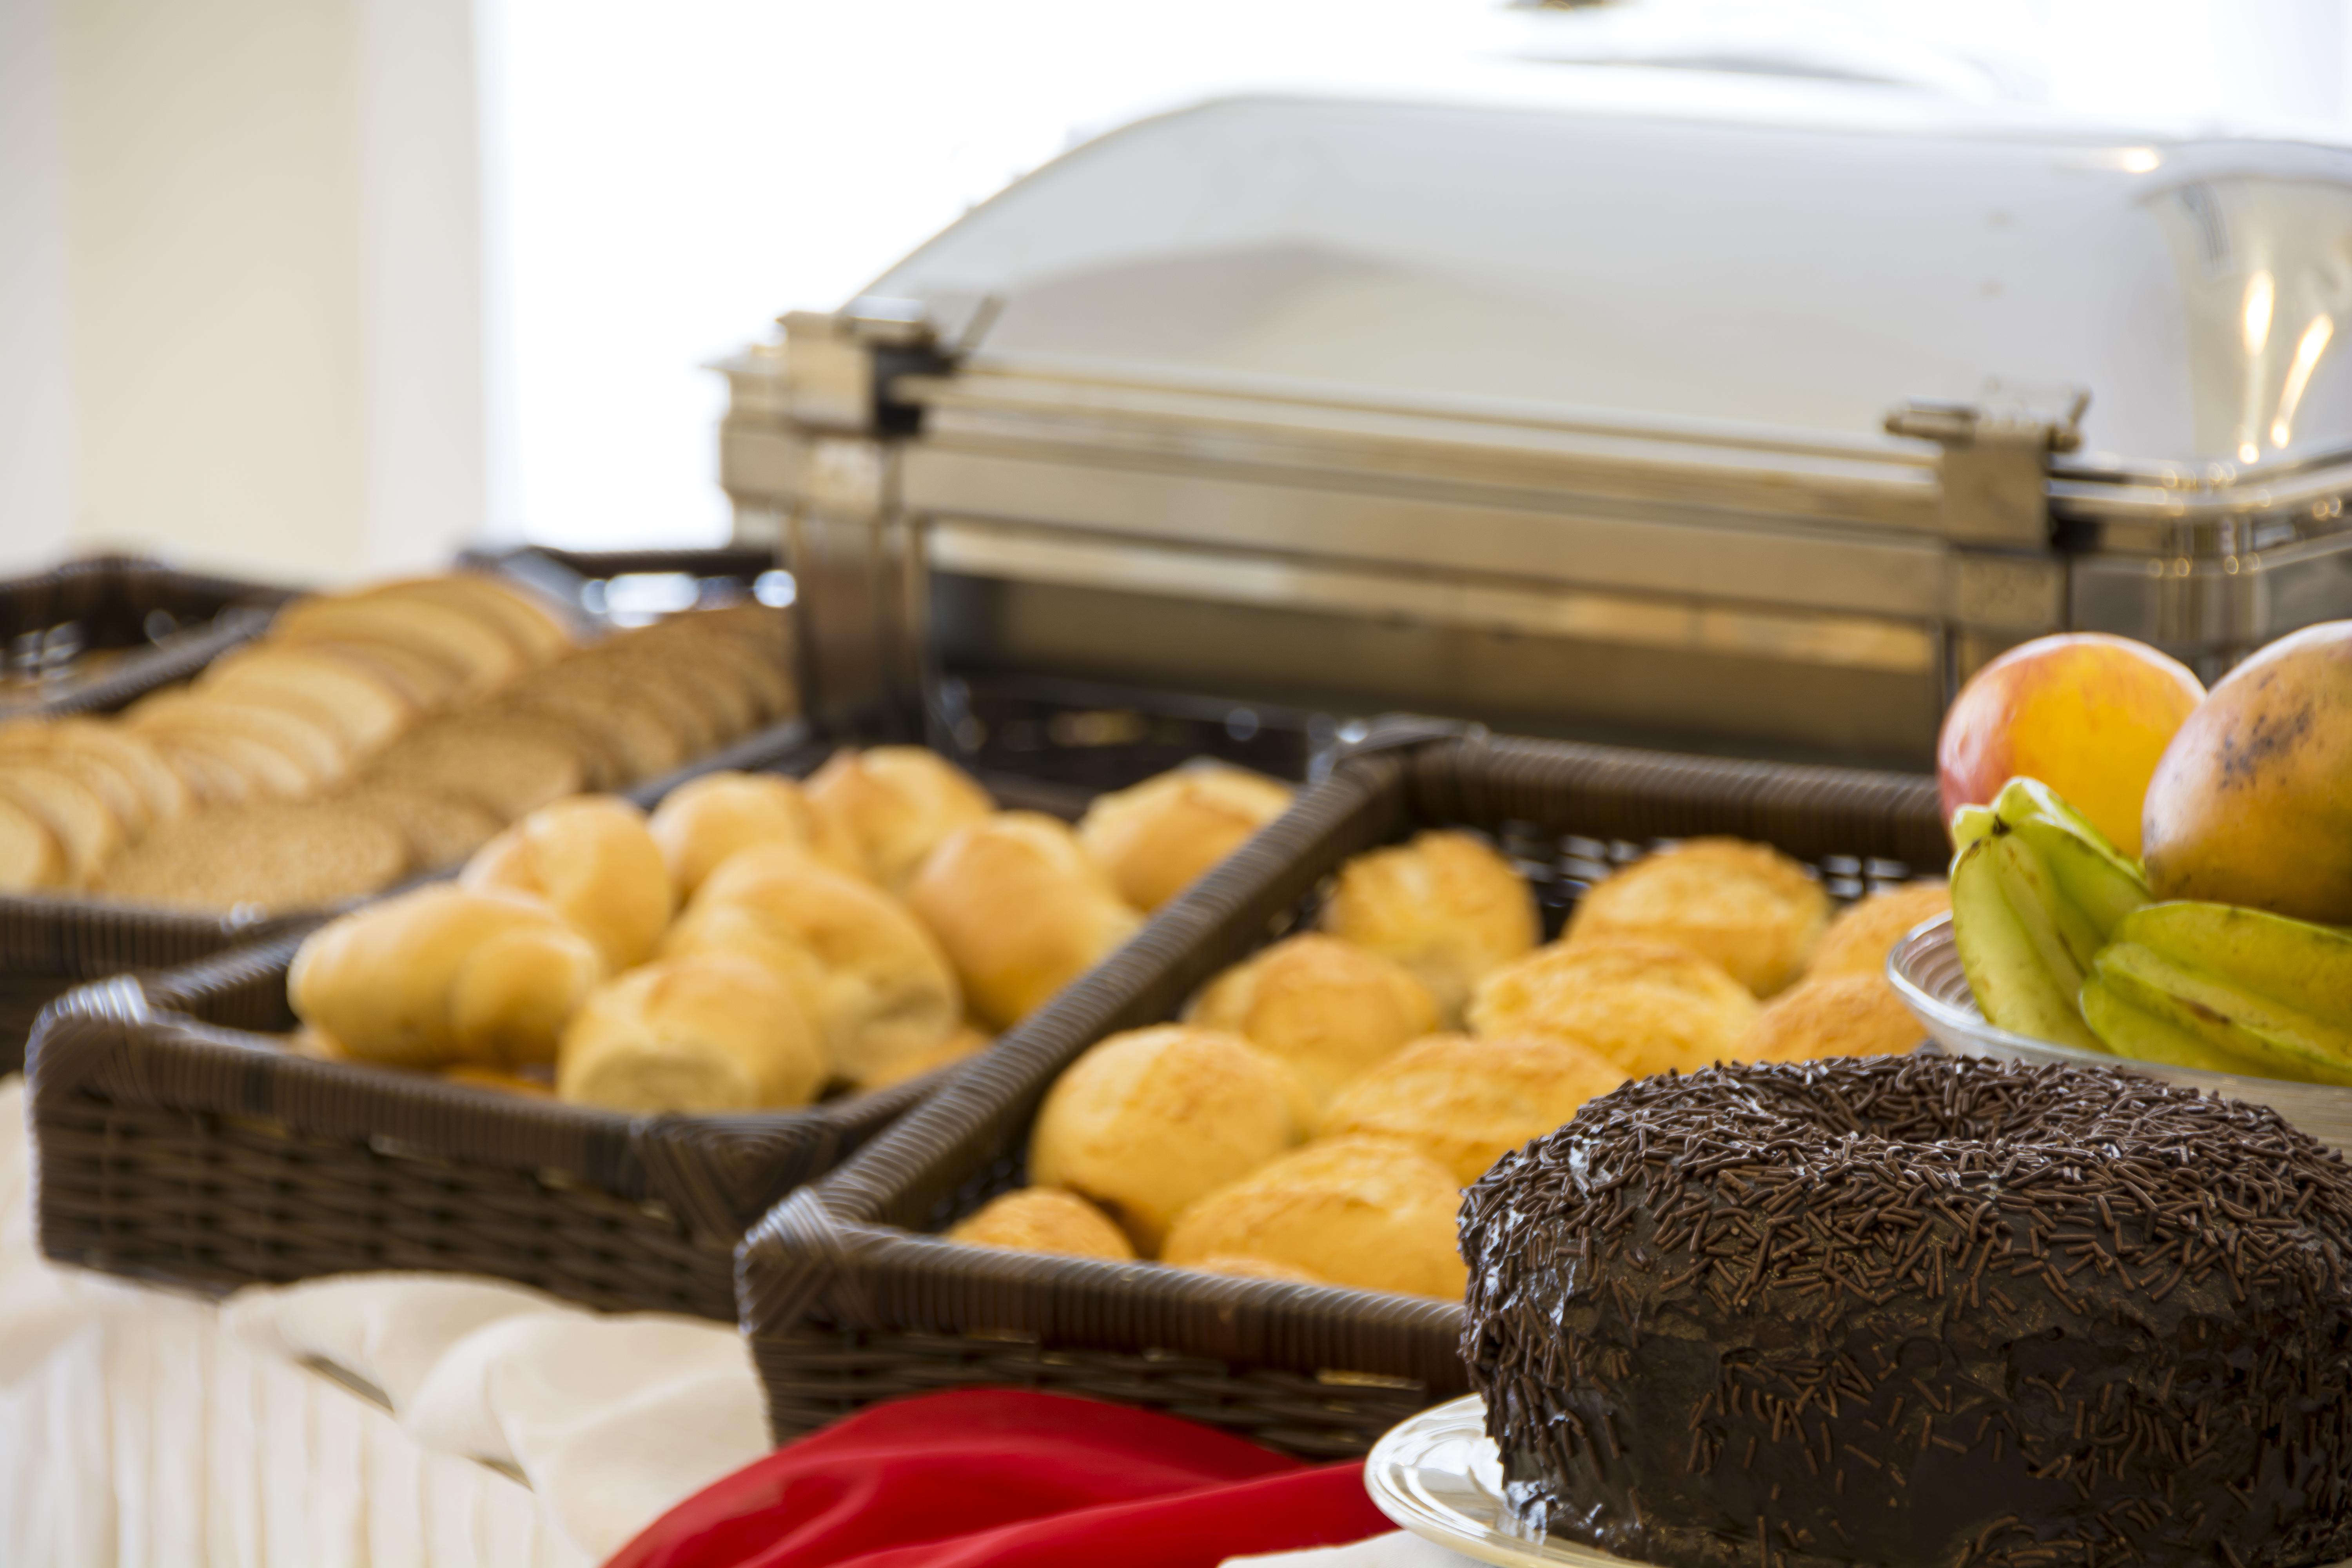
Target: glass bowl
(1926, 969)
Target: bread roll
(1019, 911)
(445, 974)
(1327, 1008)
(362, 709)
(1157, 838)
(314, 751)
(1148, 1122)
(1831, 1016)
(698, 824)
(596, 863)
(870, 977)
(1746, 906)
(474, 652)
(1043, 1219)
(1446, 906)
(896, 803)
(1466, 1102)
(1858, 940)
(513, 763)
(1647, 1006)
(709, 1032)
(514, 613)
(1353, 1210)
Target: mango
(2252, 803)
(2086, 713)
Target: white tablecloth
(150, 1429)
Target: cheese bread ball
(1647, 1006)
(1157, 838)
(1146, 1122)
(1044, 1219)
(1858, 940)
(1446, 906)
(1746, 906)
(1466, 1102)
(1327, 1008)
(1831, 1016)
(1352, 1211)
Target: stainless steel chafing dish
(1724, 429)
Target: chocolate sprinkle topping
(1922, 1310)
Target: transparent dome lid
(1803, 268)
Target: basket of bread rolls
(362, 739)
(615, 1036)
(1220, 1177)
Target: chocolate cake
(1923, 1311)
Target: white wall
(32, 424)
(243, 272)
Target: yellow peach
(2086, 713)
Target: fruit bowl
(1926, 970)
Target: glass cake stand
(1926, 969)
(1437, 1474)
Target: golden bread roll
(1466, 1103)
(30, 856)
(1352, 1211)
(596, 863)
(1157, 838)
(275, 855)
(1746, 906)
(701, 824)
(709, 1032)
(873, 982)
(1831, 1016)
(1234, 1267)
(425, 683)
(75, 815)
(1148, 1122)
(161, 795)
(1647, 1006)
(1446, 906)
(225, 769)
(967, 1041)
(1327, 1008)
(363, 711)
(1019, 911)
(1858, 940)
(1044, 1219)
(445, 974)
(896, 804)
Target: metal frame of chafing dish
(1767, 579)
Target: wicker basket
(48, 945)
(848, 1301)
(99, 632)
(176, 1144)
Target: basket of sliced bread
(1219, 1177)
(362, 739)
(593, 1057)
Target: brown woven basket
(48, 945)
(98, 632)
(176, 1142)
(848, 1301)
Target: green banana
(2145, 1036)
(2273, 993)
(2036, 890)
